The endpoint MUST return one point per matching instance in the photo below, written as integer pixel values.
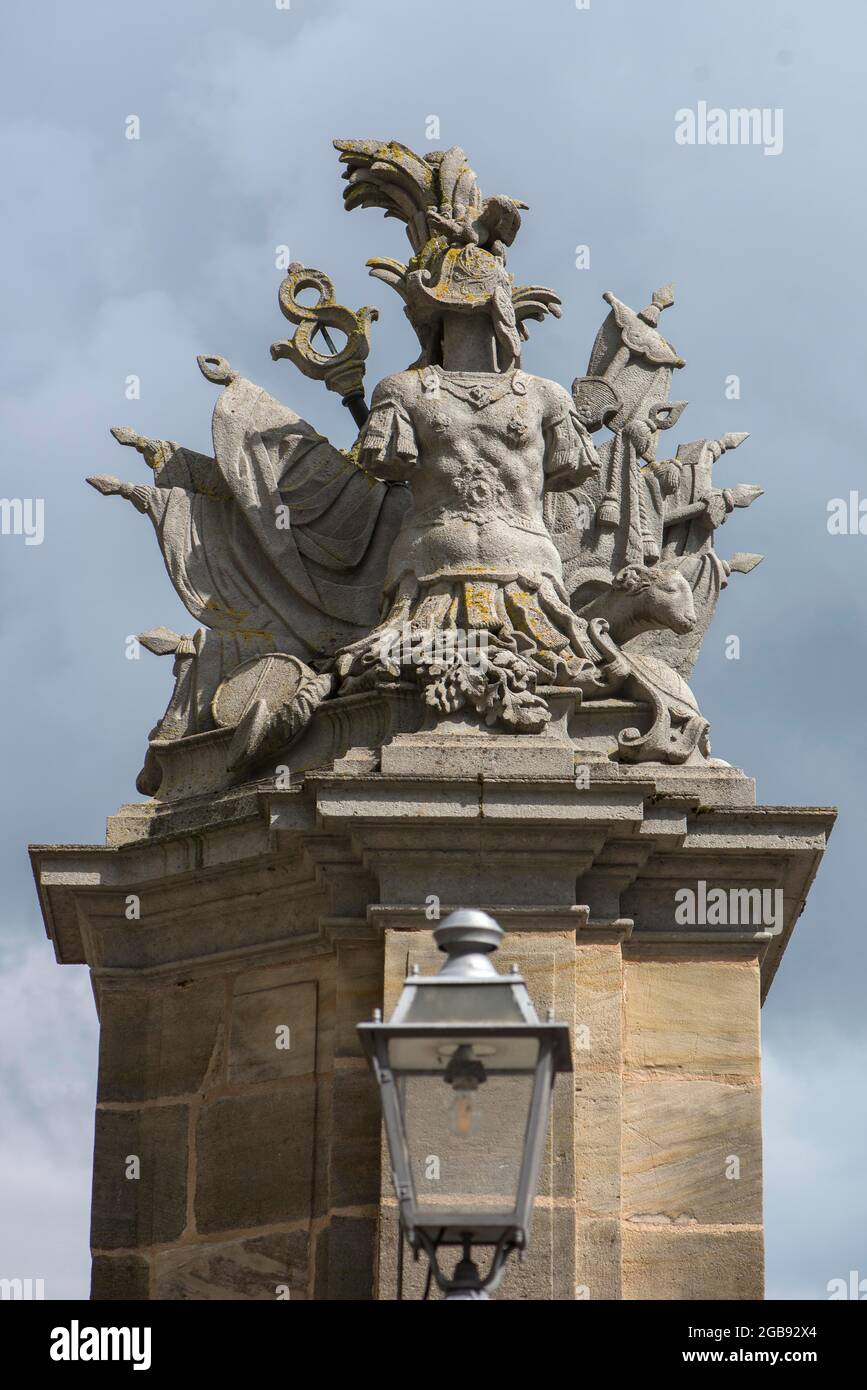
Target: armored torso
(478, 450)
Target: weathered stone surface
(191, 920)
(255, 1159)
(692, 1152)
(598, 1007)
(320, 1263)
(356, 1124)
(359, 985)
(597, 1258)
(692, 1016)
(271, 1267)
(692, 1264)
(266, 1010)
(399, 1276)
(598, 1099)
(549, 1269)
(120, 1277)
(348, 1250)
(149, 1209)
(507, 755)
(320, 1204)
(158, 1043)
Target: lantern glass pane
(465, 1128)
(433, 1054)
(464, 1003)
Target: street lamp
(466, 1075)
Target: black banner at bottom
(66, 1338)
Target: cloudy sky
(128, 257)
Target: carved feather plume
(435, 195)
(390, 176)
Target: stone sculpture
(474, 553)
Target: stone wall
(258, 1161)
(261, 1168)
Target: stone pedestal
(236, 938)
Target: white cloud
(49, 1035)
(815, 1115)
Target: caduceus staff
(342, 369)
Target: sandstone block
(597, 1258)
(264, 1269)
(692, 1016)
(346, 1259)
(691, 1151)
(119, 1277)
(597, 1143)
(356, 1127)
(255, 1159)
(598, 1006)
(273, 1028)
(692, 1264)
(158, 1043)
(359, 992)
(149, 1209)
